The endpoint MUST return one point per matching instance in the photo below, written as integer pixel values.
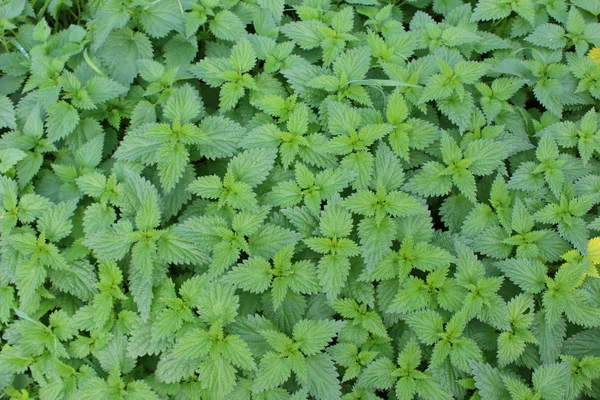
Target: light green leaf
(62, 120)
(227, 26)
(7, 113)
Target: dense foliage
(294, 199)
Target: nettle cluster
(299, 199)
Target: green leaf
(178, 245)
(550, 337)
(487, 10)
(112, 244)
(140, 390)
(333, 272)
(306, 34)
(7, 113)
(10, 157)
(172, 160)
(184, 105)
(7, 296)
(271, 238)
(375, 239)
(402, 205)
(427, 325)
(101, 89)
(55, 223)
(171, 369)
(431, 180)
(209, 187)
(143, 257)
(219, 303)
(220, 137)
(313, 336)
(362, 202)
(217, 377)
(160, 17)
(379, 374)
(353, 65)
(252, 166)
(529, 274)
(148, 216)
(489, 382)
(486, 156)
(227, 26)
(469, 72)
(276, 7)
(286, 194)
(230, 94)
(62, 120)
(406, 388)
(30, 276)
(273, 370)
(432, 390)
(335, 222)
(552, 380)
(323, 382)
(548, 35)
(194, 345)
(242, 56)
(253, 275)
(510, 347)
(237, 352)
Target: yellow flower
(594, 54)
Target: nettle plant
(299, 199)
